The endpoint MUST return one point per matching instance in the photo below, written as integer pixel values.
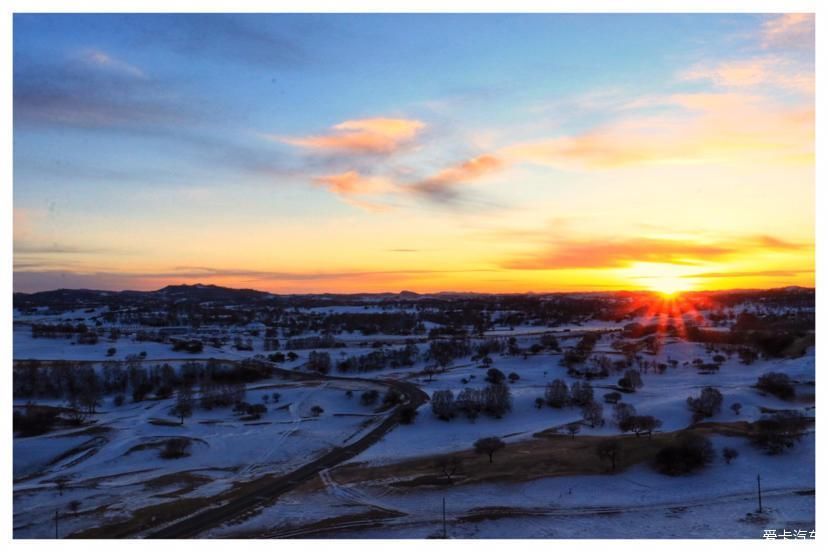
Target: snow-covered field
(117, 454)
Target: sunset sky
(347, 153)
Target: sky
(309, 153)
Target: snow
(123, 456)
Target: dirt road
(263, 491)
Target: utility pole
(759, 490)
(445, 534)
(56, 524)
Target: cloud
(723, 127)
(24, 248)
(353, 183)
(101, 59)
(80, 95)
(619, 253)
(237, 37)
(750, 274)
(442, 185)
(770, 242)
(612, 253)
(361, 136)
(764, 71)
(790, 30)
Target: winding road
(266, 490)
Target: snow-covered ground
(118, 455)
(124, 453)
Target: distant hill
(83, 298)
(69, 299)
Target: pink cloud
(441, 184)
(373, 136)
(353, 183)
(772, 71)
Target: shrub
(690, 453)
(640, 424)
(612, 397)
(593, 413)
(442, 404)
(493, 375)
(557, 394)
(408, 414)
(706, 405)
(631, 380)
(622, 411)
(776, 384)
(319, 362)
(369, 397)
(177, 447)
(729, 454)
(392, 398)
(779, 431)
(581, 393)
(35, 420)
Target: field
(322, 459)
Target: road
(265, 492)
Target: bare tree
(729, 454)
(443, 405)
(184, 404)
(557, 394)
(609, 450)
(573, 428)
(622, 411)
(448, 466)
(593, 413)
(74, 506)
(488, 445)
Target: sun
(667, 286)
(668, 280)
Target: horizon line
(442, 292)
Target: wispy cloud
(750, 273)
(360, 136)
(103, 60)
(790, 30)
(773, 71)
(353, 183)
(442, 185)
(705, 127)
(69, 94)
(609, 252)
(236, 37)
(25, 248)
